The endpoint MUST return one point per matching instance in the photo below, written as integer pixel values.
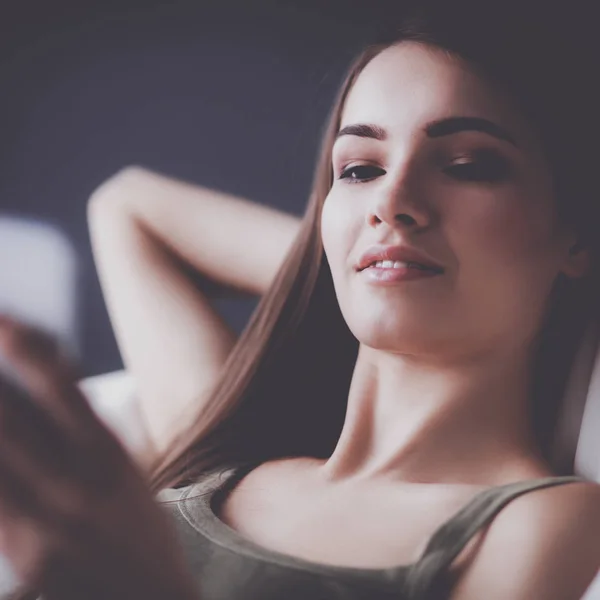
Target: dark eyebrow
(435, 129)
(458, 124)
(363, 130)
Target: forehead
(409, 84)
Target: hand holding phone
(77, 519)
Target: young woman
(380, 430)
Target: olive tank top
(227, 566)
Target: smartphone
(39, 278)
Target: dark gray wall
(225, 94)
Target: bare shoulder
(279, 474)
(261, 491)
(544, 544)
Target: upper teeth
(391, 264)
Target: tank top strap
(425, 576)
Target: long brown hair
(283, 389)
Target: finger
(32, 359)
(28, 433)
(57, 508)
(20, 506)
(17, 498)
(23, 520)
(21, 336)
(37, 447)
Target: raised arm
(144, 227)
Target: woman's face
(433, 160)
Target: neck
(466, 422)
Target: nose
(400, 202)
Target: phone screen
(38, 278)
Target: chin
(416, 337)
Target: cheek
(339, 228)
(514, 229)
(507, 260)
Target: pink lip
(399, 253)
(383, 276)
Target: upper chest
(344, 525)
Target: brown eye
(361, 173)
(480, 167)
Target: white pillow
(112, 396)
(578, 437)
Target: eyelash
(346, 173)
(485, 168)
